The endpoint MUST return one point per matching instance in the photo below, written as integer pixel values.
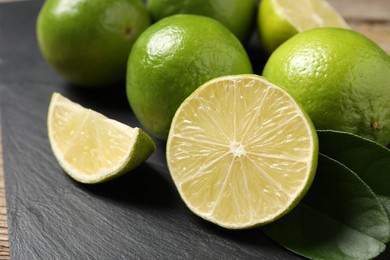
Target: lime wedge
(90, 147)
(279, 20)
(241, 151)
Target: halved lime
(90, 147)
(278, 20)
(241, 151)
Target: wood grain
(4, 243)
(368, 17)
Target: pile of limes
(242, 149)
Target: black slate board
(138, 216)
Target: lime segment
(90, 147)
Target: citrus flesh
(237, 15)
(88, 41)
(278, 20)
(90, 147)
(171, 59)
(341, 78)
(241, 151)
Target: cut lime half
(279, 20)
(241, 151)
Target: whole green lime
(237, 15)
(171, 59)
(88, 41)
(341, 78)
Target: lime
(88, 41)
(90, 147)
(341, 78)
(278, 20)
(237, 15)
(241, 151)
(171, 59)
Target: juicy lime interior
(307, 14)
(88, 139)
(89, 146)
(241, 151)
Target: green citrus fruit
(237, 15)
(90, 147)
(340, 77)
(241, 151)
(88, 41)
(278, 20)
(171, 59)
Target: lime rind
(341, 88)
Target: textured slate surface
(52, 217)
(139, 216)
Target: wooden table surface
(370, 17)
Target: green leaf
(339, 218)
(369, 160)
